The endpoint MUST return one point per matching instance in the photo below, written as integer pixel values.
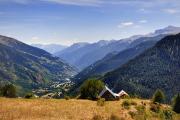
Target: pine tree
(176, 104)
(158, 96)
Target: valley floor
(60, 109)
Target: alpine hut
(110, 95)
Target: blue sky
(69, 21)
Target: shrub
(133, 103)
(101, 102)
(176, 104)
(29, 96)
(91, 89)
(8, 90)
(97, 117)
(126, 104)
(143, 103)
(140, 108)
(155, 107)
(66, 97)
(115, 117)
(158, 96)
(167, 115)
(132, 113)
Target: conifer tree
(176, 104)
(158, 96)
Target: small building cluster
(110, 95)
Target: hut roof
(122, 92)
(107, 89)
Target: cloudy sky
(69, 21)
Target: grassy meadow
(61, 109)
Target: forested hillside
(158, 67)
(114, 60)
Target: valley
(34, 70)
(89, 60)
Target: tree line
(90, 89)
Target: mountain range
(51, 48)
(139, 64)
(139, 69)
(81, 55)
(115, 59)
(28, 67)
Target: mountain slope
(28, 67)
(158, 67)
(100, 51)
(89, 53)
(51, 48)
(114, 60)
(72, 53)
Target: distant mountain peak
(79, 44)
(103, 42)
(168, 30)
(51, 48)
(171, 27)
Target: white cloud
(143, 21)
(132, 24)
(137, 26)
(125, 24)
(67, 2)
(142, 3)
(35, 38)
(143, 10)
(16, 1)
(171, 11)
(77, 2)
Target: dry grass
(54, 109)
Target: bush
(126, 104)
(115, 117)
(29, 96)
(133, 103)
(8, 90)
(140, 108)
(97, 117)
(67, 97)
(155, 107)
(167, 115)
(1, 94)
(91, 89)
(101, 102)
(132, 113)
(176, 104)
(158, 97)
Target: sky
(69, 21)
